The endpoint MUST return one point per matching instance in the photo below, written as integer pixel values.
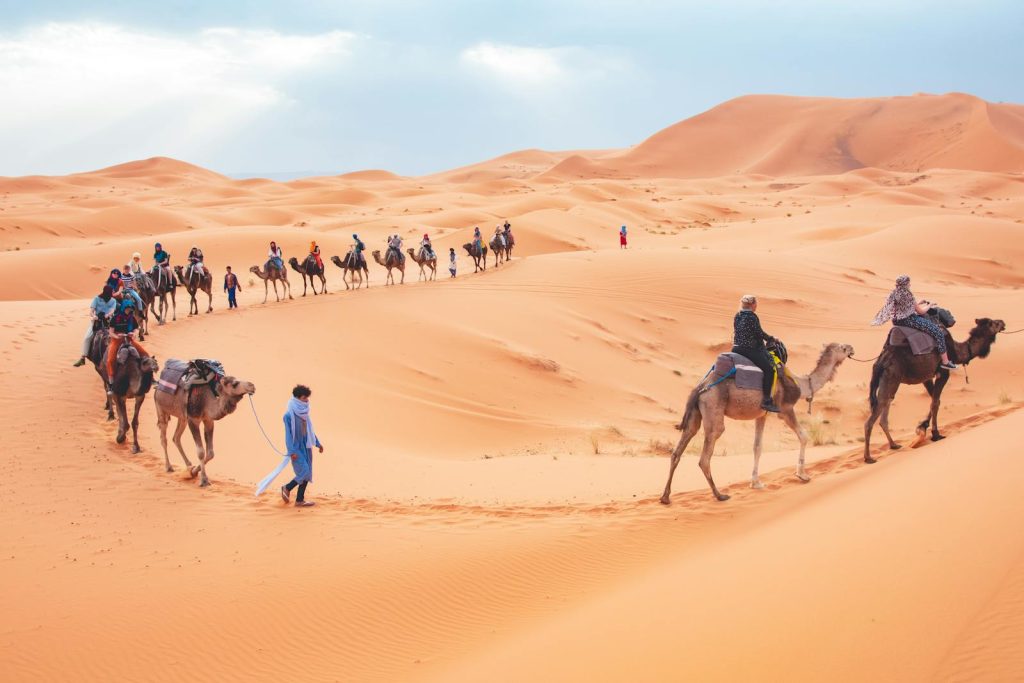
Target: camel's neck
(225, 405)
(821, 375)
(966, 351)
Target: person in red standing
(622, 237)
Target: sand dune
(487, 503)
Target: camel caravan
(750, 382)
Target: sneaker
(948, 366)
(79, 363)
(286, 494)
(769, 406)
(304, 503)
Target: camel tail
(692, 410)
(876, 378)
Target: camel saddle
(920, 343)
(181, 374)
(748, 375)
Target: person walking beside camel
(452, 261)
(231, 284)
(300, 439)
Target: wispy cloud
(78, 84)
(534, 68)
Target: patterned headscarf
(900, 299)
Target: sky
(272, 87)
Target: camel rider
(129, 288)
(478, 242)
(101, 308)
(357, 250)
(500, 236)
(906, 311)
(195, 258)
(749, 341)
(507, 232)
(426, 248)
(121, 327)
(114, 280)
(395, 245)
(135, 267)
(163, 261)
(275, 257)
(314, 251)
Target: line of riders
(120, 307)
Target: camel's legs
(208, 456)
(174, 304)
(121, 403)
(883, 422)
(162, 419)
(209, 299)
(755, 481)
(135, 423)
(935, 391)
(684, 440)
(179, 429)
(788, 416)
(711, 433)
(193, 427)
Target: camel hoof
(204, 483)
(723, 497)
(802, 477)
(664, 500)
(869, 460)
(193, 471)
(937, 437)
(121, 438)
(756, 485)
(894, 447)
(136, 450)
(170, 469)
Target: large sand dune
(496, 444)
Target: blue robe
(295, 440)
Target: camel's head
(837, 352)
(150, 364)
(984, 334)
(376, 253)
(294, 261)
(234, 387)
(337, 261)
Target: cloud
(533, 68)
(80, 86)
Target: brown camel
(498, 249)
(896, 365)
(97, 356)
(310, 268)
(479, 259)
(350, 269)
(201, 408)
(392, 261)
(273, 275)
(712, 406)
(164, 285)
(147, 292)
(133, 376)
(193, 283)
(424, 262)
(510, 243)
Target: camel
(309, 268)
(711, 406)
(479, 259)
(147, 292)
(896, 365)
(193, 283)
(97, 356)
(425, 262)
(273, 275)
(132, 377)
(510, 243)
(498, 249)
(350, 268)
(201, 408)
(163, 284)
(391, 262)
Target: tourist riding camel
(314, 251)
(122, 325)
(749, 341)
(135, 266)
(162, 260)
(275, 257)
(195, 259)
(101, 308)
(357, 249)
(129, 288)
(500, 236)
(906, 311)
(395, 247)
(426, 248)
(478, 240)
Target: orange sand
(496, 444)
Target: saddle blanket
(171, 376)
(748, 375)
(919, 342)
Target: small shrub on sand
(819, 432)
(595, 443)
(1004, 397)
(660, 446)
